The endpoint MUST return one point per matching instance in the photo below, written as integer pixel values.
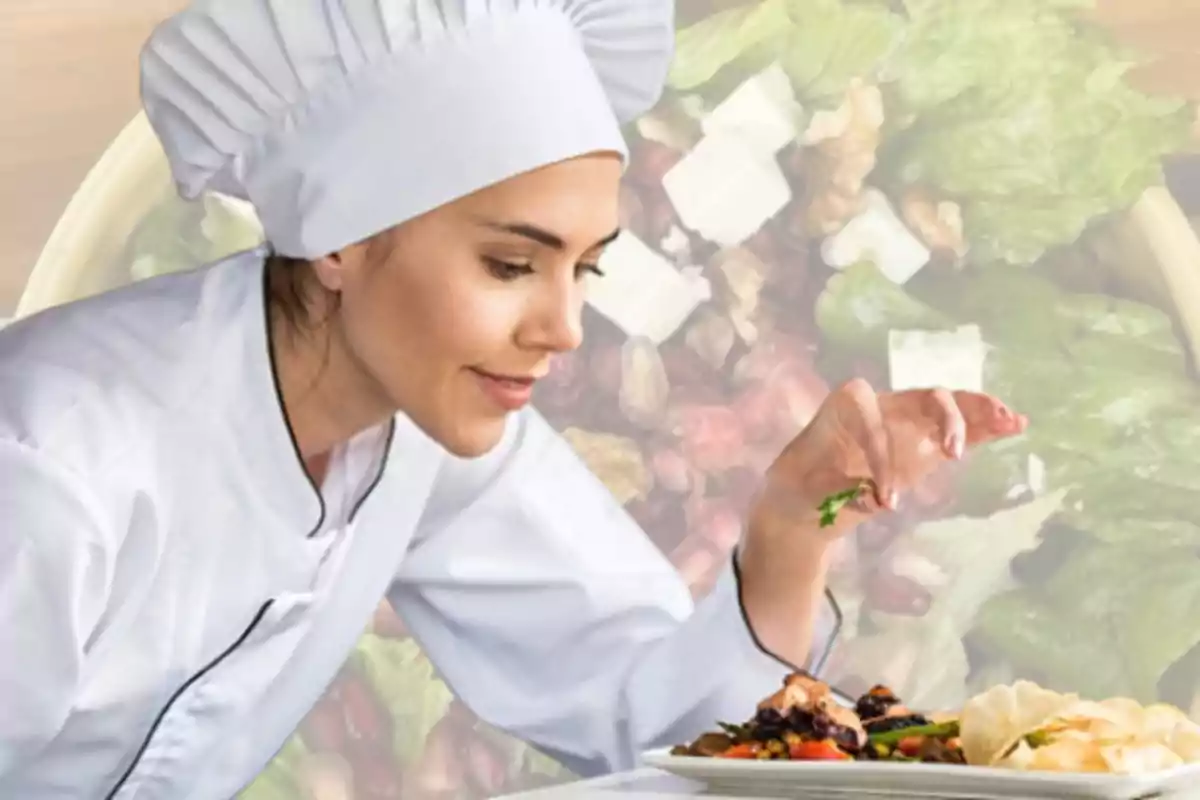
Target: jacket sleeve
(552, 615)
(51, 595)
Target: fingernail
(954, 446)
(893, 500)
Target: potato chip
(1122, 719)
(1139, 757)
(1162, 720)
(1115, 735)
(1113, 719)
(1066, 754)
(993, 721)
(1184, 741)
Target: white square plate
(820, 779)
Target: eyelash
(507, 271)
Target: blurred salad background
(986, 194)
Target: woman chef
(209, 480)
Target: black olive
(871, 707)
(800, 721)
(764, 733)
(875, 703)
(822, 726)
(768, 716)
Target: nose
(556, 326)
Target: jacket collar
(264, 437)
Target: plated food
(804, 721)
(1020, 726)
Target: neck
(327, 397)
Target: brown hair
(290, 287)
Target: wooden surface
(68, 84)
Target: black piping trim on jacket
(383, 462)
(287, 422)
(162, 714)
(838, 622)
(141, 751)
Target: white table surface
(652, 784)
(644, 784)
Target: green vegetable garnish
(1037, 739)
(738, 732)
(940, 730)
(834, 503)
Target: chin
(472, 440)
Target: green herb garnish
(1037, 739)
(940, 730)
(834, 503)
(1034, 740)
(738, 732)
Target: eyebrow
(543, 236)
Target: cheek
(471, 327)
(428, 328)
(384, 331)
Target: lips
(520, 380)
(508, 392)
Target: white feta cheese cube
(1037, 474)
(877, 234)
(725, 190)
(763, 111)
(675, 243)
(937, 359)
(642, 292)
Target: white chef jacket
(175, 594)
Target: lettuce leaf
(859, 305)
(1057, 645)
(1016, 109)
(1111, 622)
(407, 685)
(179, 235)
(704, 48)
(833, 42)
(821, 44)
(1024, 116)
(932, 671)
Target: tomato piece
(910, 746)
(744, 750)
(824, 750)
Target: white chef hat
(338, 119)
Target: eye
(580, 269)
(506, 270)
